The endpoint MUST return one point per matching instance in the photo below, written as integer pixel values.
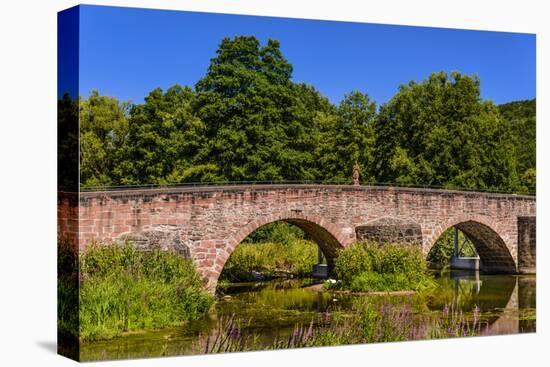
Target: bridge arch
(327, 235)
(488, 238)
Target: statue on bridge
(356, 173)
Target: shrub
(401, 259)
(123, 289)
(389, 267)
(356, 259)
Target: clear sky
(126, 52)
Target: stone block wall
(207, 223)
(389, 230)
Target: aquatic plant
(378, 322)
(226, 337)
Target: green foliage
(123, 289)
(103, 130)
(256, 125)
(384, 322)
(270, 259)
(355, 259)
(367, 266)
(277, 232)
(347, 137)
(521, 116)
(67, 146)
(441, 252)
(164, 140)
(439, 132)
(246, 120)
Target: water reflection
(508, 302)
(270, 309)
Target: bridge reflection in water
(510, 300)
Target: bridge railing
(530, 191)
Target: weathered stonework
(209, 222)
(67, 218)
(390, 230)
(163, 237)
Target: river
(272, 309)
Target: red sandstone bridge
(207, 223)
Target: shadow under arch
(326, 235)
(494, 254)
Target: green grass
(124, 290)
(295, 257)
(67, 293)
(369, 267)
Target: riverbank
(122, 290)
(271, 311)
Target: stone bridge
(207, 223)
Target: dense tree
(521, 116)
(439, 132)
(257, 126)
(67, 143)
(347, 137)
(103, 130)
(164, 139)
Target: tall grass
(367, 266)
(295, 257)
(122, 290)
(67, 301)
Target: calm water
(274, 308)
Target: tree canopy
(247, 120)
(439, 132)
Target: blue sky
(127, 52)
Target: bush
(123, 289)
(401, 259)
(390, 267)
(356, 259)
